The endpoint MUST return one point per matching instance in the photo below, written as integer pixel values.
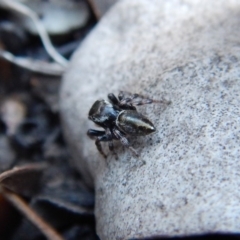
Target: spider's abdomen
(132, 122)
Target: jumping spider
(119, 118)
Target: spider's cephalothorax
(119, 118)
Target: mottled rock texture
(187, 52)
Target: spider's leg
(123, 95)
(135, 99)
(95, 133)
(111, 148)
(126, 97)
(113, 99)
(110, 143)
(104, 137)
(124, 141)
(99, 146)
(101, 137)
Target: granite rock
(186, 180)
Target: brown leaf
(23, 180)
(25, 209)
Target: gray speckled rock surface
(185, 51)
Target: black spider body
(119, 118)
(134, 123)
(103, 113)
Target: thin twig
(53, 69)
(93, 6)
(21, 8)
(24, 168)
(24, 208)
